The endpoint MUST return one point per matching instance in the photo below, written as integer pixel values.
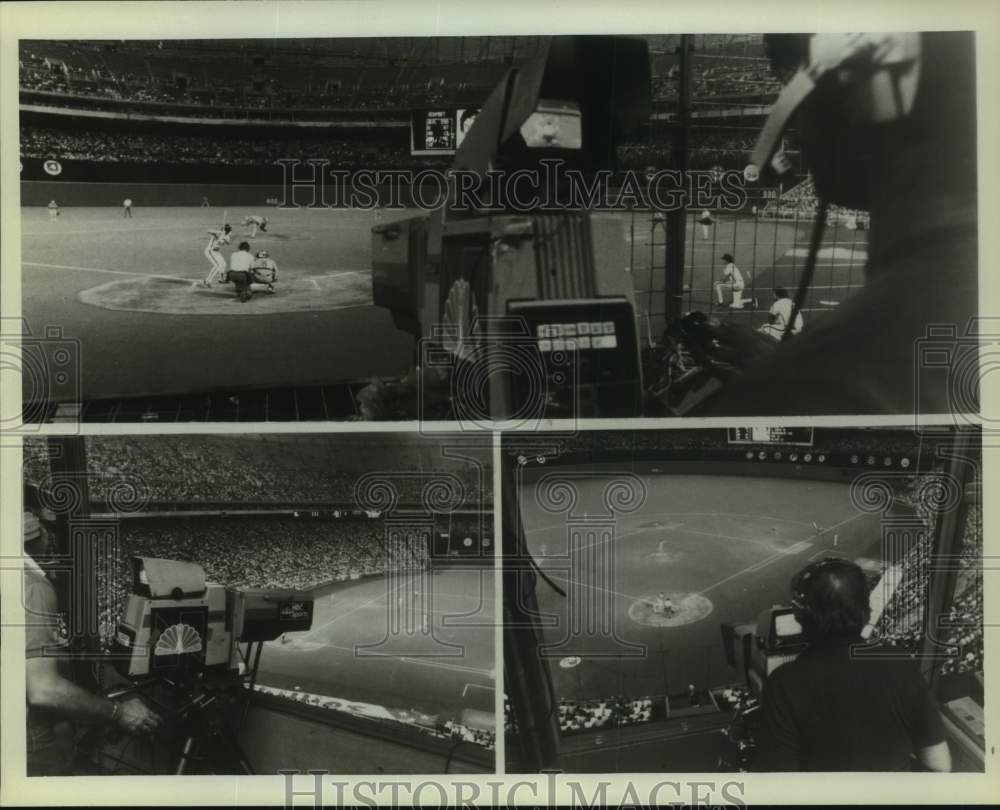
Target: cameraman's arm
(47, 689)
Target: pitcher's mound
(175, 296)
(687, 608)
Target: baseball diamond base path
(721, 547)
(688, 607)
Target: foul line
(406, 659)
(477, 686)
(60, 232)
(792, 550)
(105, 270)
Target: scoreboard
(802, 436)
(439, 132)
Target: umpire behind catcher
(832, 709)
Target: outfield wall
(838, 471)
(71, 194)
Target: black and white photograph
(498, 228)
(742, 600)
(243, 604)
(522, 404)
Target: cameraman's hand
(136, 718)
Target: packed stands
(248, 75)
(585, 715)
(271, 81)
(370, 152)
(269, 469)
(903, 623)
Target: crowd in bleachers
(372, 152)
(375, 151)
(902, 623)
(222, 79)
(583, 715)
(728, 148)
(717, 76)
(453, 730)
(802, 202)
(244, 77)
(261, 470)
(228, 82)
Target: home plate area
(173, 295)
(686, 608)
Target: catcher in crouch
(264, 270)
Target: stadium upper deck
(343, 74)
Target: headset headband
(804, 578)
(883, 68)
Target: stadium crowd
(264, 470)
(222, 80)
(584, 715)
(453, 730)
(372, 152)
(902, 623)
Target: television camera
(773, 639)
(526, 310)
(178, 645)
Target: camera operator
(916, 173)
(832, 709)
(52, 698)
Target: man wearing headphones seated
(836, 708)
(888, 125)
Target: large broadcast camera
(178, 646)
(175, 622)
(528, 311)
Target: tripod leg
(245, 765)
(185, 756)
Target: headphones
(851, 84)
(802, 582)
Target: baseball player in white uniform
(706, 222)
(731, 281)
(782, 310)
(213, 252)
(255, 222)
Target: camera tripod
(203, 711)
(210, 738)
